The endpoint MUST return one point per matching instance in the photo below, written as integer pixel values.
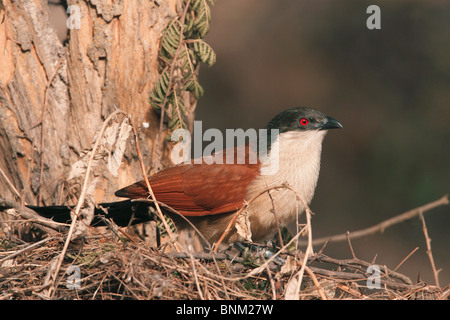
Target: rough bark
(55, 97)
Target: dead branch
(46, 225)
(380, 227)
(25, 249)
(10, 184)
(150, 190)
(52, 287)
(429, 253)
(360, 265)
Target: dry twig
(380, 227)
(52, 286)
(150, 190)
(429, 253)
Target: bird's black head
(302, 119)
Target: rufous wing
(198, 189)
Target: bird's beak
(331, 123)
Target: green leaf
(204, 52)
(185, 43)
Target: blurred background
(390, 88)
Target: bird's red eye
(304, 121)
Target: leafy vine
(182, 50)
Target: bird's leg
(256, 254)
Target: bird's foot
(256, 254)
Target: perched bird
(208, 195)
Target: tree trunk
(54, 97)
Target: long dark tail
(123, 213)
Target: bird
(208, 195)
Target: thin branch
(347, 234)
(308, 253)
(27, 248)
(280, 237)
(429, 253)
(194, 270)
(360, 265)
(52, 287)
(46, 225)
(380, 227)
(406, 258)
(341, 275)
(316, 283)
(150, 190)
(10, 184)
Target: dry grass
(114, 267)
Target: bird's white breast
(298, 156)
